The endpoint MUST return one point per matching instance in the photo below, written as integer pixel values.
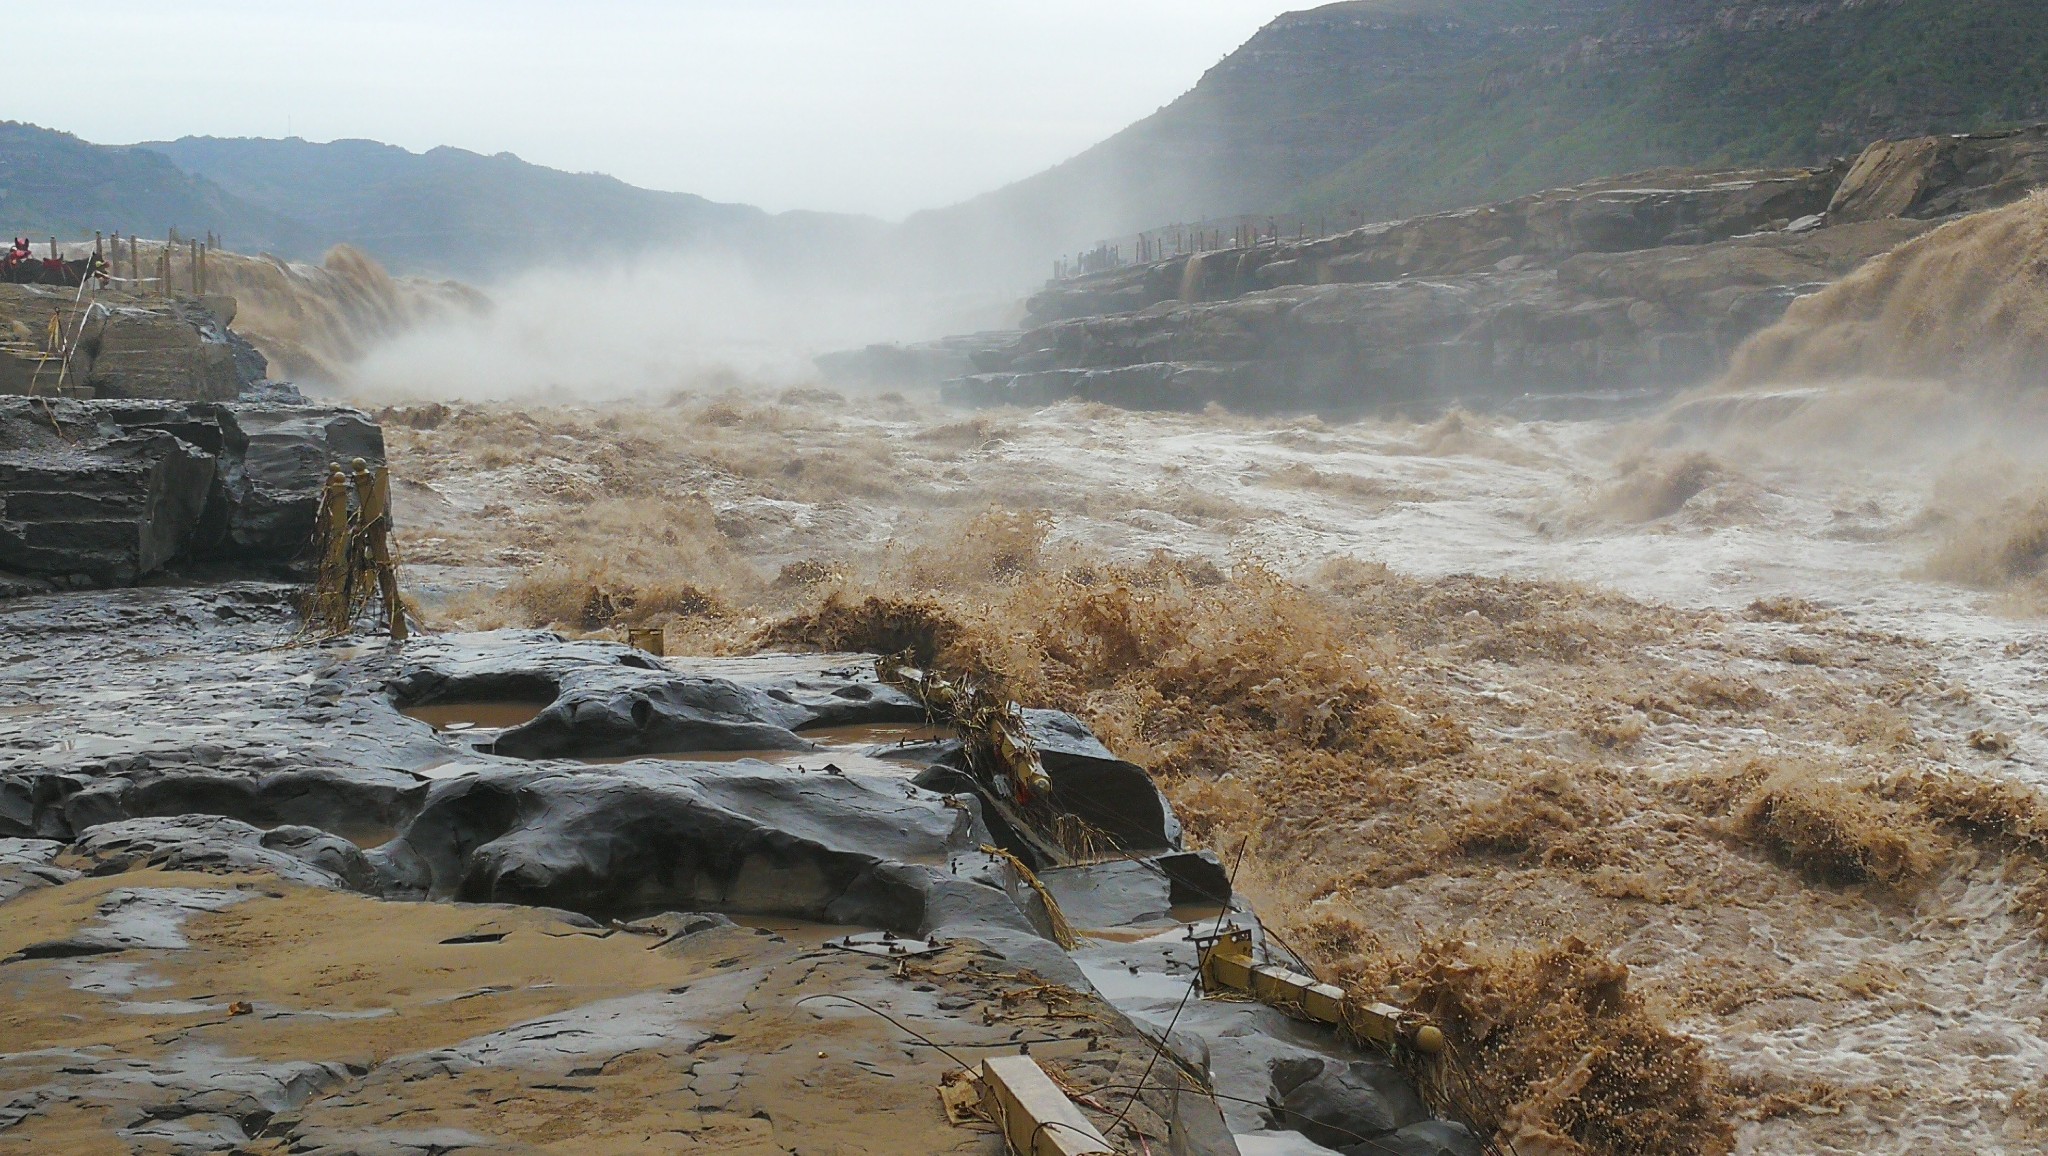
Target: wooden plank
(1036, 1117)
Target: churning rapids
(1653, 630)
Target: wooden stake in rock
(373, 506)
(330, 609)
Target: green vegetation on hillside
(53, 184)
(1824, 81)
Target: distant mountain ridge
(451, 210)
(1364, 110)
(447, 212)
(52, 184)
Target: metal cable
(922, 1038)
(1194, 981)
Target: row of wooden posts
(1178, 240)
(113, 248)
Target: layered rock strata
(106, 492)
(123, 346)
(1642, 283)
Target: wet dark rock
(1119, 893)
(326, 852)
(1237, 1042)
(1338, 1104)
(1112, 795)
(608, 700)
(674, 925)
(199, 708)
(1197, 877)
(26, 864)
(928, 753)
(106, 492)
(983, 898)
(1429, 1138)
(603, 713)
(56, 804)
(212, 843)
(1115, 797)
(201, 741)
(739, 837)
(183, 1100)
(274, 460)
(1135, 892)
(110, 510)
(267, 392)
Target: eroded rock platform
(255, 906)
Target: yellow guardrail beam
(1226, 964)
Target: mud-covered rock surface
(341, 928)
(205, 1012)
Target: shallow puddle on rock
(877, 734)
(457, 717)
(1189, 918)
(847, 748)
(797, 931)
(1199, 913)
(369, 837)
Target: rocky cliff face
(1939, 176)
(1650, 281)
(122, 346)
(105, 492)
(1642, 211)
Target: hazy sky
(877, 106)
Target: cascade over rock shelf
(1647, 282)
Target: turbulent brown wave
(1671, 871)
(315, 321)
(1967, 302)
